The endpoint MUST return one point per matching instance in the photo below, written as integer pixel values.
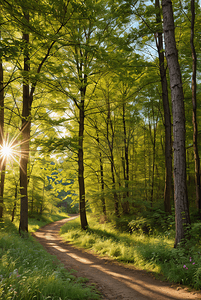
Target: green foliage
(154, 253)
(141, 224)
(151, 221)
(28, 272)
(110, 45)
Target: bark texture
(82, 204)
(25, 130)
(167, 115)
(180, 190)
(28, 92)
(194, 117)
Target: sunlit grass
(37, 221)
(154, 253)
(45, 219)
(28, 272)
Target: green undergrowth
(153, 252)
(37, 221)
(28, 272)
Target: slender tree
(101, 173)
(167, 116)
(194, 117)
(2, 159)
(25, 129)
(125, 204)
(110, 135)
(182, 217)
(28, 96)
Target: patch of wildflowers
(185, 267)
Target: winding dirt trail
(113, 280)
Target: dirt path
(114, 281)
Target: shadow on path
(114, 281)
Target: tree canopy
(88, 108)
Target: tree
(194, 103)
(167, 116)
(26, 125)
(182, 217)
(2, 159)
(29, 87)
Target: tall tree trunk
(167, 116)
(153, 165)
(145, 163)
(102, 175)
(82, 204)
(112, 167)
(182, 217)
(32, 198)
(26, 124)
(153, 140)
(194, 118)
(116, 200)
(15, 203)
(2, 160)
(25, 130)
(125, 204)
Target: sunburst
(11, 150)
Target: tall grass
(28, 272)
(153, 253)
(36, 221)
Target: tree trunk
(82, 204)
(116, 201)
(194, 118)
(182, 218)
(2, 160)
(153, 141)
(112, 167)
(153, 164)
(26, 124)
(102, 184)
(101, 174)
(167, 116)
(25, 130)
(23, 167)
(145, 163)
(15, 204)
(125, 204)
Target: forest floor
(115, 281)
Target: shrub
(140, 224)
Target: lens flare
(6, 151)
(11, 150)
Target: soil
(115, 281)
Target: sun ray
(12, 150)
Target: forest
(99, 108)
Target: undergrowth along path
(114, 280)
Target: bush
(140, 224)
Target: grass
(154, 253)
(44, 220)
(37, 221)
(28, 272)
